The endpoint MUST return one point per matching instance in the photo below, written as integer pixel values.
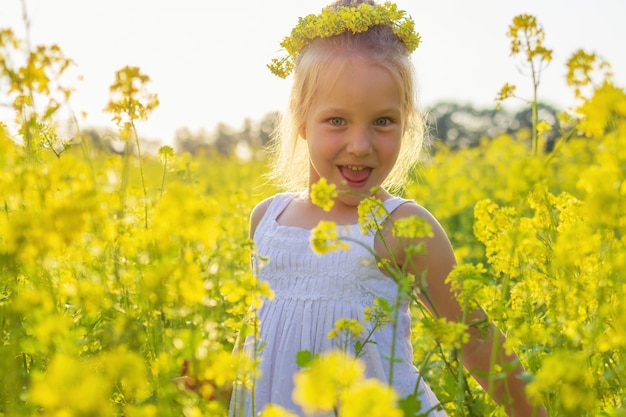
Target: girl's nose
(360, 142)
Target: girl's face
(354, 127)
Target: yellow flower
(601, 111)
(527, 35)
(247, 289)
(543, 126)
(372, 398)
(191, 289)
(322, 194)
(222, 368)
(273, 410)
(507, 91)
(325, 238)
(566, 376)
(350, 327)
(166, 154)
(130, 99)
(379, 314)
(447, 333)
(491, 222)
(412, 227)
(319, 388)
(372, 213)
(85, 387)
(334, 21)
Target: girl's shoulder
(408, 208)
(257, 214)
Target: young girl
(352, 122)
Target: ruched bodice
(312, 292)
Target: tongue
(355, 176)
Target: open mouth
(355, 175)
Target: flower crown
(331, 22)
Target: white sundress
(311, 292)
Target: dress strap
(277, 205)
(393, 203)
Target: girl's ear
(302, 131)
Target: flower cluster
(378, 314)
(372, 213)
(323, 193)
(130, 99)
(325, 238)
(336, 380)
(332, 22)
(527, 36)
(412, 227)
(350, 327)
(166, 154)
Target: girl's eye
(383, 121)
(336, 121)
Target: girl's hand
(207, 389)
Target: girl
(352, 124)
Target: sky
(207, 58)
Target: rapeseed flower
(130, 99)
(372, 213)
(527, 36)
(371, 398)
(582, 66)
(319, 387)
(66, 389)
(348, 329)
(602, 111)
(565, 375)
(447, 333)
(166, 154)
(323, 193)
(379, 314)
(412, 227)
(332, 22)
(273, 410)
(325, 238)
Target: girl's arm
(437, 262)
(511, 390)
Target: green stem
(163, 178)
(535, 116)
(124, 180)
(143, 179)
(394, 332)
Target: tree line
(453, 124)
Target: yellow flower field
(120, 272)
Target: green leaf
(410, 406)
(304, 358)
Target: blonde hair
(379, 46)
